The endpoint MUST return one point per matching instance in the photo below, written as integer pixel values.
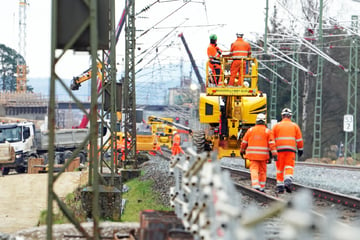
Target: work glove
(242, 153)
(274, 158)
(300, 153)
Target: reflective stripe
(288, 167)
(240, 51)
(256, 152)
(258, 147)
(285, 138)
(286, 147)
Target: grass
(139, 197)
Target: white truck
(21, 141)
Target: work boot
(280, 189)
(288, 185)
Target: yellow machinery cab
(231, 110)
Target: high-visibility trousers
(285, 167)
(258, 173)
(216, 72)
(176, 149)
(238, 67)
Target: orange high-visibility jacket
(214, 53)
(240, 48)
(287, 135)
(177, 140)
(258, 141)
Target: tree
(334, 92)
(9, 59)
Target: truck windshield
(10, 134)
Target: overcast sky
(195, 19)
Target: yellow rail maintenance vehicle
(229, 111)
(165, 128)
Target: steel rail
(337, 198)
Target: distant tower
(21, 69)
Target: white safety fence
(210, 207)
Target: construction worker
(239, 49)
(288, 140)
(258, 142)
(156, 143)
(176, 148)
(214, 54)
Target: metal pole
(266, 25)
(316, 151)
(350, 138)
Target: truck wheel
(82, 157)
(5, 171)
(20, 169)
(67, 155)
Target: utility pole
(266, 26)
(273, 90)
(294, 103)
(316, 151)
(21, 68)
(351, 129)
(129, 83)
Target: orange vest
(287, 136)
(258, 141)
(240, 48)
(213, 54)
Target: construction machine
(165, 128)
(193, 64)
(101, 73)
(229, 111)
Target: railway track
(276, 213)
(347, 208)
(329, 166)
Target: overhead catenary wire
(147, 8)
(156, 44)
(163, 19)
(308, 44)
(293, 63)
(318, 51)
(265, 78)
(271, 70)
(152, 59)
(193, 26)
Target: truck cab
(21, 136)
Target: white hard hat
(246, 84)
(286, 111)
(261, 117)
(239, 35)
